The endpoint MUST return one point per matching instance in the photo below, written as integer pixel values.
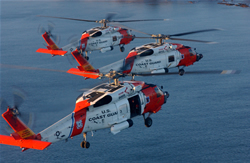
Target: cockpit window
(105, 100)
(146, 52)
(192, 52)
(94, 95)
(141, 49)
(99, 33)
(92, 31)
(158, 92)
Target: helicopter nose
(166, 95)
(198, 57)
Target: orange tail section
(24, 143)
(85, 69)
(23, 136)
(52, 48)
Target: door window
(171, 58)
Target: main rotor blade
(181, 39)
(192, 32)
(196, 72)
(126, 27)
(123, 21)
(68, 18)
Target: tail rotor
(51, 26)
(19, 97)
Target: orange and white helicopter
(102, 38)
(149, 59)
(109, 105)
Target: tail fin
(23, 136)
(52, 48)
(85, 69)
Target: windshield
(158, 92)
(192, 52)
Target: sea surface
(206, 118)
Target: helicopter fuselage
(154, 58)
(101, 38)
(107, 106)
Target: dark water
(206, 118)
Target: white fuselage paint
(155, 63)
(117, 111)
(110, 37)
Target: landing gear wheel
(122, 49)
(85, 144)
(148, 122)
(181, 72)
(87, 58)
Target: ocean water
(206, 118)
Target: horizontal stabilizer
(24, 143)
(87, 74)
(52, 52)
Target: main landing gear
(133, 77)
(181, 71)
(86, 56)
(148, 121)
(85, 144)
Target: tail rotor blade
(56, 38)
(19, 96)
(70, 58)
(3, 105)
(41, 30)
(51, 26)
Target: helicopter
(102, 38)
(109, 105)
(149, 59)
